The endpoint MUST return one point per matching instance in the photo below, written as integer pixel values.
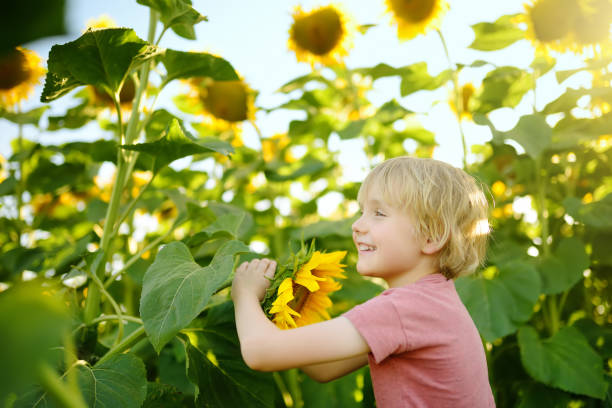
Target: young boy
(423, 223)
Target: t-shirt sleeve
(377, 320)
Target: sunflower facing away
(568, 25)
(321, 36)
(299, 293)
(20, 72)
(414, 17)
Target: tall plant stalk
(456, 97)
(92, 306)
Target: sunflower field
(116, 262)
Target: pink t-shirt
(424, 348)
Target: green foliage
(138, 265)
(564, 361)
(175, 289)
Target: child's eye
(379, 213)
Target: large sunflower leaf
(174, 144)
(416, 78)
(501, 304)
(533, 133)
(503, 87)
(222, 381)
(497, 35)
(176, 14)
(176, 289)
(120, 381)
(31, 322)
(28, 20)
(563, 269)
(183, 65)
(99, 57)
(31, 117)
(307, 166)
(335, 394)
(564, 361)
(596, 215)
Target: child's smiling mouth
(365, 247)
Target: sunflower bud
(227, 100)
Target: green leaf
(74, 118)
(353, 129)
(500, 305)
(564, 361)
(380, 71)
(173, 145)
(299, 82)
(120, 381)
(32, 321)
(229, 223)
(390, 112)
(497, 35)
(28, 20)
(102, 58)
(307, 166)
(8, 186)
(340, 393)
(31, 117)
(176, 289)
(416, 78)
(596, 215)
(503, 87)
(561, 270)
(228, 383)
(533, 133)
(537, 396)
(47, 177)
(341, 228)
(176, 14)
(183, 65)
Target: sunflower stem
(294, 388)
(456, 98)
(128, 342)
(283, 389)
(60, 392)
(20, 182)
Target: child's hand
(253, 277)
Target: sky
(252, 36)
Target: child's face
(385, 240)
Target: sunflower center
(318, 32)
(300, 294)
(128, 90)
(551, 19)
(413, 10)
(227, 100)
(13, 69)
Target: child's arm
(330, 371)
(265, 347)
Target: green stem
(20, 182)
(294, 387)
(457, 97)
(113, 303)
(128, 342)
(60, 392)
(136, 257)
(92, 304)
(283, 389)
(127, 212)
(554, 314)
(105, 318)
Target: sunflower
(466, 94)
(321, 36)
(20, 71)
(591, 24)
(224, 105)
(414, 17)
(299, 293)
(550, 23)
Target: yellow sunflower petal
(20, 72)
(414, 17)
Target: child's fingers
(270, 269)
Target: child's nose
(358, 225)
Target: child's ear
(430, 246)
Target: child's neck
(413, 275)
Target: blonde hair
(446, 204)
